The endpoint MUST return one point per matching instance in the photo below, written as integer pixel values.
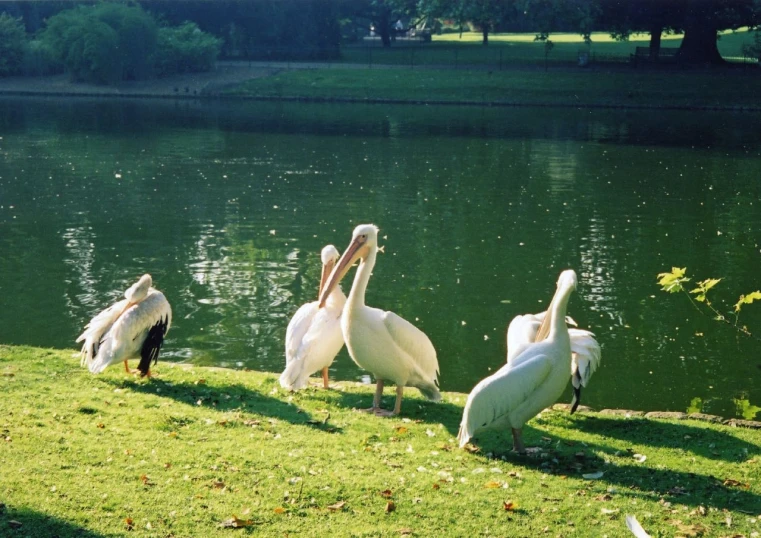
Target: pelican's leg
(518, 442)
(397, 404)
(325, 378)
(377, 397)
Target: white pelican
(585, 351)
(530, 382)
(388, 346)
(134, 327)
(313, 338)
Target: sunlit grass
(187, 452)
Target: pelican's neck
(365, 269)
(557, 310)
(336, 298)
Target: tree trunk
(699, 43)
(485, 33)
(655, 42)
(384, 28)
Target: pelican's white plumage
(585, 350)
(386, 345)
(530, 382)
(314, 338)
(131, 328)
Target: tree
(700, 20)
(381, 14)
(12, 41)
(103, 43)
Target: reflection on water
(229, 205)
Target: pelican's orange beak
(326, 270)
(357, 249)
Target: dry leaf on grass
(509, 506)
(129, 524)
(736, 483)
(390, 507)
(493, 484)
(236, 523)
(405, 532)
(339, 505)
(386, 493)
(145, 479)
(279, 510)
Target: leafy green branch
(675, 282)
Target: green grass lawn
(507, 50)
(197, 450)
(570, 88)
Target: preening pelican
(386, 345)
(585, 351)
(134, 327)
(314, 338)
(530, 382)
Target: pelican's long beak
(354, 251)
(326, 269)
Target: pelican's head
(568, 279)
(329, 257)
(364, 240)
(139, 291)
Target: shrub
(12, 41)
(185, 49)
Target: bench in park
(665, 55)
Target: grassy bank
(182, 454)
(558, 88)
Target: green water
(228, 206)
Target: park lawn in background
(199, 451)
(534, 87)
(505, 50)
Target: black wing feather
(152, 345)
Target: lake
(227, 205)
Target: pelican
(530, 382)
(131, 328)
(585, 351)
(388, 346)
(313, 338)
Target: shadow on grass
(230, 397)
(32, 524)
(710, 444)
(413, 407)
(651, 479)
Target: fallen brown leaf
(218, 484)
(604, 497)
(401, 429)
(493, 484)
(279, 510)
(386, 493)
(405, 532)
(236, 523)
(509, 506)
(337, 506)
(736, 483)
(436, 486)
(146, 480)
(390, 507)
(101, 425)
(129, 524)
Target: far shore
(356, 83)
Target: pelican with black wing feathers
(134, 327)
(314, 338)
(530, 382)
(386, 345)
(585, 350)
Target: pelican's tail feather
(633, 525)
(96, 328)
(294, 377)
(464, 434)
(585, 352)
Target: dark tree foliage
(12, 42)
(261, 29)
